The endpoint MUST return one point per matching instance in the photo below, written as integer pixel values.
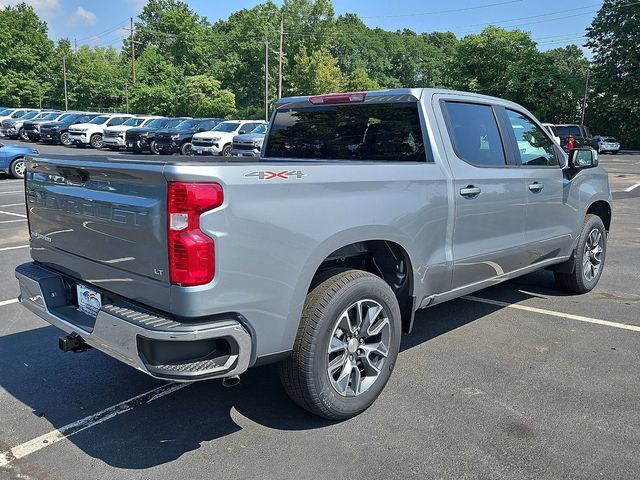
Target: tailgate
(101, 210)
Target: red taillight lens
(333, 98)
(191, 252)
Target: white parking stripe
(632, 187)
(13, 221)
(55, 436)
(12, 205)
(8, 302)
(4, 249)
(13, 214)
(580, 318)
(11, 191)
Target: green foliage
(316, 73)
(201, 96)
(614, 37)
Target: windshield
(6, 111)
(568, 130)
(260, 129)
(226, 127)
(51, 116)
(70, 117)
(608, 139)
(99, 120)
(31, 115)
(19, 114)
(133, 122)
(174, 122)
(188, 124)
(157, 123)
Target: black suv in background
(141, 139)
(580, 133)
(32, 127)
(58, 132)
(178, 139)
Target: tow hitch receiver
(72, 343)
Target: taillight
(333, 98)
(191, 252)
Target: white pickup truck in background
(113, 137)
(218, 141)
(85, 134)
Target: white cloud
(44, 8)
(83, 16)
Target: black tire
(64, 139)
(153, 148)
(17, 168)
(226, 150)
(577, 281)
(614, 152)
(96, 141)
(305, 375)
(22, 135)
(186, 149)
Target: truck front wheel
(346, 347)
(96, 140)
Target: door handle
(536, 187)
(470, 191)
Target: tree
(359, 81)
(25, 54)
(614, 37)
(316, 73)
(202, 96)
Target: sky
(552, 23)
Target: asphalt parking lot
(520, 381)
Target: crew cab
(141, 139)
(218, 140)
(178, 139)
(249, 144)
(58, 131)
(363, 208)
(15, 113)
(114, 137)
(90, 133)
(31, 128)
(574, 136)
(12, 127)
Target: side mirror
(202, 129)
(580, 158)
(242, 132)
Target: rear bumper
(161, 347)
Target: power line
(105, 32)
(439, 12)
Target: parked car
(31, 128)
(114, 137)
(12, 158)
(549, 127)
(14, 127)
(15, 113)
(141, 139)
(90, 133)
(58, 131)
(319, 253)
(218, 140)
(249, 144)
(607, 144)
(580, 135)
(178, 139)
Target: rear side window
(474, 134)
(565, 131)
(364, 131)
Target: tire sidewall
(589, 225)
(96, 140)
(186, 149)
(226, 150)
(14, 174)
(153, 148)
(364, 287)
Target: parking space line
(13, 221)
(12, 205)
(13, 214)
(85, 423)
(4, 249)
(11, 191)
(632, 187)
(579, 318)
(8, 302)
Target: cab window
(534, 147)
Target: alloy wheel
(592, 257)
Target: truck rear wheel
(346, 346)
(588, 259)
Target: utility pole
(75, 45)
(584, 99)
(126, 94)
(280, 55)
(133, 53)
(266, 80)
(39, 96)
(64, 76)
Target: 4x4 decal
(269, 175)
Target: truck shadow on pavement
(66, 387)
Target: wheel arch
(602, 209)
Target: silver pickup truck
(362, 209)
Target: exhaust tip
(232, 381)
